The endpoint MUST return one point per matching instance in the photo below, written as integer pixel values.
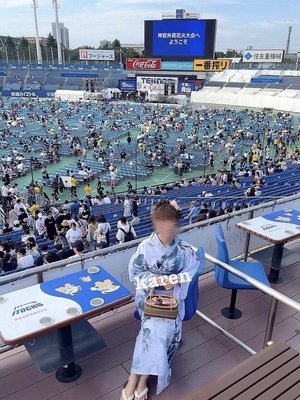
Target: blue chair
(229, 281)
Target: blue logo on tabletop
(85, 287)
(248, 56)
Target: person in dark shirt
(9, 264)
(63, 253)
(23, 218)
(204, 209)
(6, 228)
(50, 226)
(61, 216)
(74, 208)
(46, 256)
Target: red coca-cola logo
(143, 63)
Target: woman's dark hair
(164, 211)
(30, 245)
(123, 220)
(91, 219)
(101, 219)
(6, 247)
(78, 245)
(22, 251)
(7, 258)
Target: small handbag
(161, 306)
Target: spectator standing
(126, 232)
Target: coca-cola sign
(148, 64)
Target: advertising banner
(186, 87)
(155, 84)
(97, 55)
(177, 66)
(27, 93)
(127, 85)
(263, 56)
(143, 63)
(211, 65)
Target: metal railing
(276, 297)
(121, 247)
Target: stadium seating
(51, 78)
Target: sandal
(124, 397)
(144, 393)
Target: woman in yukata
(159, 258)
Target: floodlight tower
(37, 39)
(287, 50)
(58, 36)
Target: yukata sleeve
(139, 271)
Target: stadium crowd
(49, 230)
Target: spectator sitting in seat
(7, 228)
(63, 253)
(32, 249)
(24, 260)
(9, 263)
(201, 217)
(194, 212)
(78, 248)
(46, 256)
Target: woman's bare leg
(132, 384)
(142, 384)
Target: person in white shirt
(106, 199)
(18, 206)
(135, 220)
(25, 261)
(20, 167)
(123, 228)
(73, 234)
(40, 224)
(127, 207)
(104, 227)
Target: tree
(9, 42)
(231, 53)
(219, 54)
(106, 45)
(129, 52)
(51, 45)
(116, 45)
(51, 42)
(23, 46)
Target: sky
(262, 24)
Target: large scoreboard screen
(183, 39)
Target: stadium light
(37, 39)
(58, 36)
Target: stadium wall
(240, 99)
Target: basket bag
(161, 306)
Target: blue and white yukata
(159, 338)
